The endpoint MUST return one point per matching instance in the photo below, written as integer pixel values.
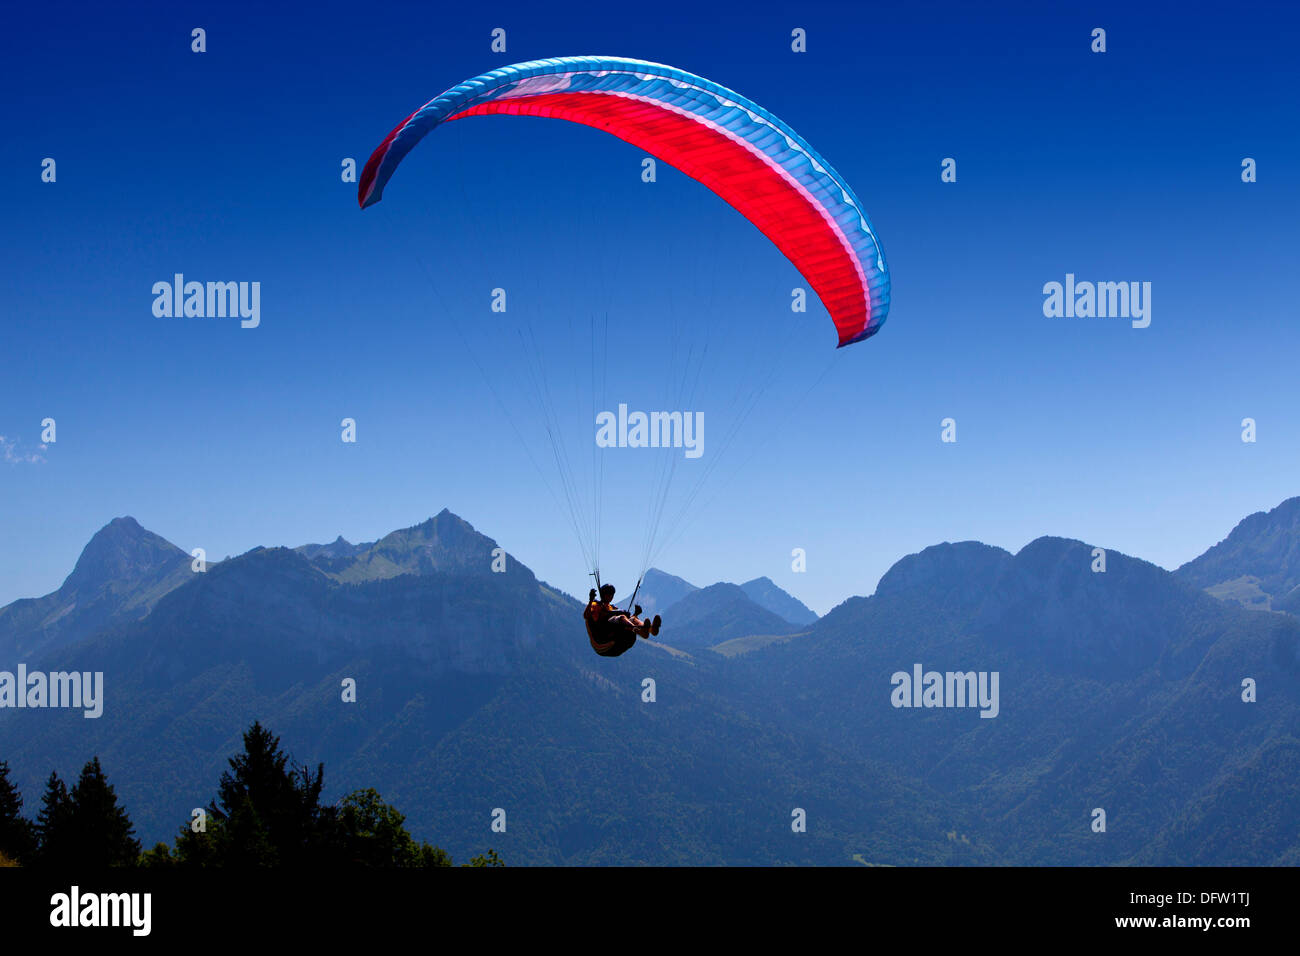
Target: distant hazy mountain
(660, 591)
(720, 612)
(339, 548)
(1258, 565)
(121, 574)
(765, 593)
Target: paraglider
(611, 629)
(741, 152)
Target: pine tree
(57, 843)
(103, 831)
(267, 812)
(17, 835)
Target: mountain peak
(121, 549)
(661, 590)
(444, 525)
(443, 543)
(1257, 564)
(767, 594)
(340, 549)
(965, 569)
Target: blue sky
(225, 166)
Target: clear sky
(225, 165)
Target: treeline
(267, 813)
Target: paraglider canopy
(737, 149)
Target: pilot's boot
(654, 626)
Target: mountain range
(1120, 690)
